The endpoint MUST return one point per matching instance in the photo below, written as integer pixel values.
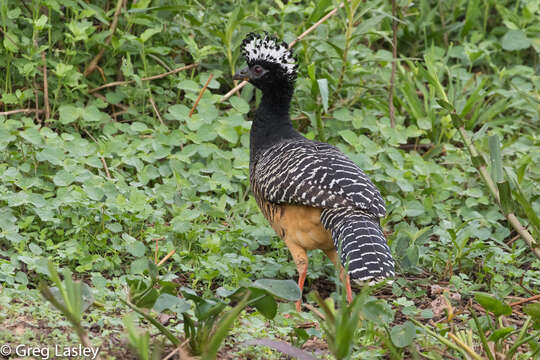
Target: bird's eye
(257, 69)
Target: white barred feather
(301, 171)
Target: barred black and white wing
(315, 174)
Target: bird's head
(271, 65)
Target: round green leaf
(63, 178)
(515, 40)
(239, 104)
(403, 335)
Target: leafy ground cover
(120, 151)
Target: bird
(312, 194)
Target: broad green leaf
(136, 248)
(228, 133)
(169, 302)
(403, 335)
(500, 333)
(266, 305)
(533, 310)
(284, 289)
(69, 113)
(63, 178)
(490, 303)
(11, 41)
(51, 154)
(32, 135)
(148, 33)
(349, 137)
(515, 40)
(179, 112)
(239, 104)
(92, 114)
(414, 208)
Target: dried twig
(101, 157)
(171, 253)
(314, 310)
(154, 77)
(532, 298)
(304, 34)
(105, 167)
(93, 64)
(18, 111)
(156, 110)
(45, 88)
(200, 94)
(392, 110)
(36, 102)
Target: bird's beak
(242, 74)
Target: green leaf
(136, 249)
(169, 302)
(378, 312)
(11, 42)
(239, 104)
(515, 40)
(533, 310)
(445, 104)
(490, 303)
(179, 112)
(350, 137)
(148, 33)
(403, 335)
(414, 208)
(51, 154)
(265, 304)
(323, 89)
(500, 333)
(92, 114)
(138, 266)
(284, 289)
(228, 133)
(63, 178)
(496, 159)
(32, 135)
(222, 329)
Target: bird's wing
(314, 174)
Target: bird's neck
(272, 123)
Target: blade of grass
(173, 339)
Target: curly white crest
(267, 48)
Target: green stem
(154, 322)
(482, 336)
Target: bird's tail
(361, 244)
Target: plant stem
(392, 111)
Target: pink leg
(302, 272)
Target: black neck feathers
(272, 123)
